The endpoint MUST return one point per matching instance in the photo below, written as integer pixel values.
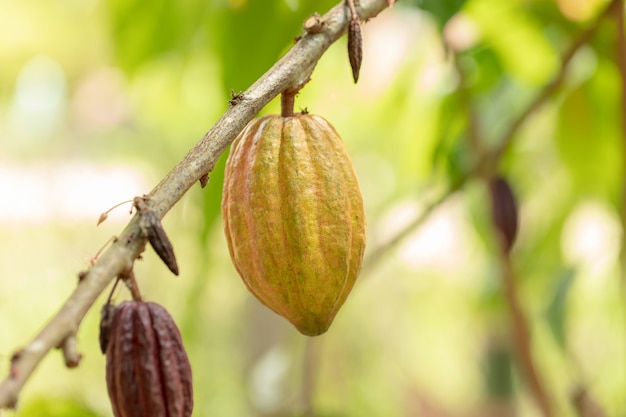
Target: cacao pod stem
(287, 100)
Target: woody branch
(289, 72)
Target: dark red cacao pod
(147, 370)
(504, 210)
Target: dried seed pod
(102, 218)
(151, 227)
(106, 319)
(504, 210)
(355, 48)
(147, 370)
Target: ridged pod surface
(147, 370)
(293, 217)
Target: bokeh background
(100, 98)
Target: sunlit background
(100, 99)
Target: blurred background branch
(485, 165)
(488, 160)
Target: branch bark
(289, 72)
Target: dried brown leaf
(150, 225)
(355, 48)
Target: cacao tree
(476, 145)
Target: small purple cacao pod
(147, 370)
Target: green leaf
(144, 30)
(516, 37)
(252, 35)
(557, 310)
(498, 371)
(450, 152)
(587, 135)
(441, 10)
(483, 69)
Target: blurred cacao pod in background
(504, 210)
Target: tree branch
(289, 72)
(521, 335)
(377, 254)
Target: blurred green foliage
(100, 98)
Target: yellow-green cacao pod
(293, 217)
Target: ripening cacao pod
(293, 217)
(147, 370)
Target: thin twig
(377, 254)
(353, 13)
(521, 333)
(72, 356)
(519, 323)
(289, 72)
